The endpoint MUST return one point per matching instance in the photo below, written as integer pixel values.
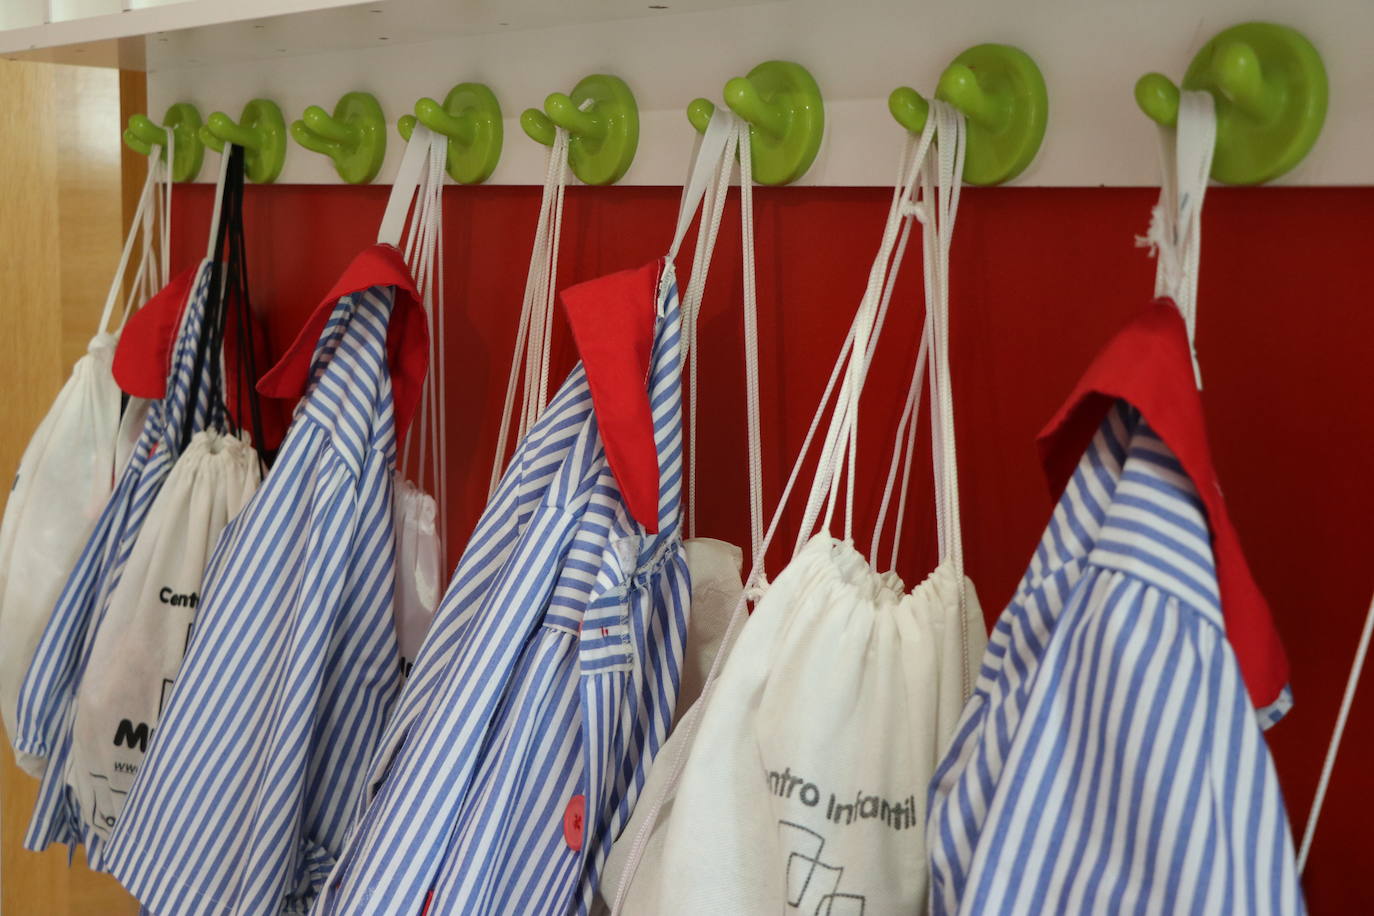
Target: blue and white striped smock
(1110, 759)
(546, 684)
(47, 700)
(258, 765)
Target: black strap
(210, 338)
(228, 304)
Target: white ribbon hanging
(1175, 235)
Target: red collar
(1148, 365)
(143, 356)
(407, 341)
(612, 321)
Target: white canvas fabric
(417, 568)
(147, 629)
(799, 782)
(717, 587)
(717, 584)
(66, 476)
(64, 479)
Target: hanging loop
(1001, 93)
(1270, 88)
(470, 118)
(261, 131)
(354, 136)
(786, 115)
(183, 119)
(602, 120)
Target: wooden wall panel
(60, 227)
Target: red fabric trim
(143, 356)
(612, 321)
(407, 341)
(1148, 365)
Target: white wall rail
(219, 54)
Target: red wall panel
(1041, 278)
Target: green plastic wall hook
(354, 136)
(261, 131)
(603, 135)
(471, 119)
(786, 116)
(183, 120)
(1271, 92)
(1002, 94)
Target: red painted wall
(1041, 278)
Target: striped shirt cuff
(1270, 715)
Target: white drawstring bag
(417, 568)
(67, 474)
(716, 568)
(799, 780)
(148, 626)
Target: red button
(573, 819)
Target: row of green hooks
(1268, 80)
(353, 136)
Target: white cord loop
(753, 421)
(151, 225)
(707, 185)
(535, 332)
(715, 159)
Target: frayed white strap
(1175, 234)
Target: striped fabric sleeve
(1132, 777)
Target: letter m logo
(130, 736)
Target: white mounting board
(1091, 53)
